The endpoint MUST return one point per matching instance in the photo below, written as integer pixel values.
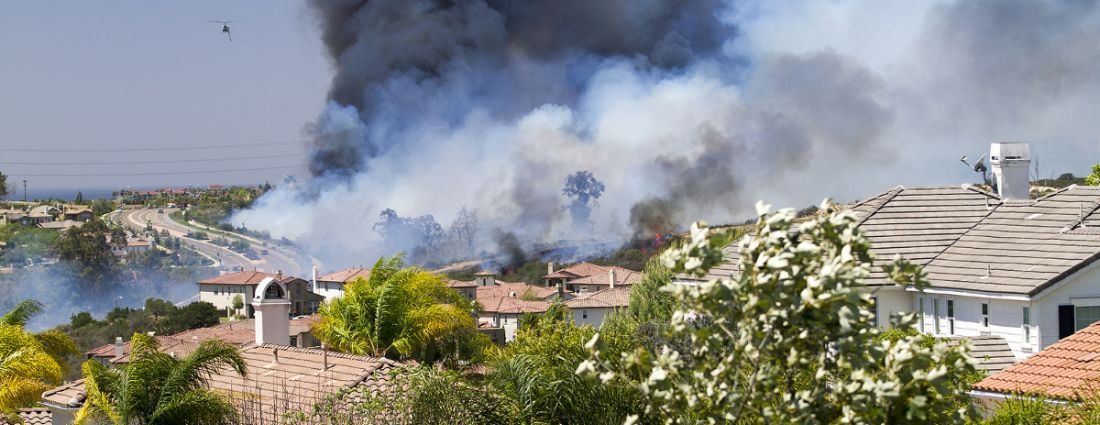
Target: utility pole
(24, 191)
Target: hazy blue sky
(149, 74)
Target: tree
(464, 230)
(1093, 179)
(583, 190)
(400, 312)
(79, 198)
(160, 310)
(648, 303)
(537, 371)
(791, 338)
(4, 188)
(238, 303)
(29, 363)
(156, 388)
(85, 247)
(196, 315)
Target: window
(936, 314)
(921, 308)
(1027, 325)
(1084, 316)
(985, 315)
(293, 341)
(584, 314)
(874, 309)
(951, 317)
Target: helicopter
(225, 28)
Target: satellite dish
(980, 165)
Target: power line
(168, 161)
(158, 174)
(159, 149)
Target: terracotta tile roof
(243, 278)
(1068, 366)
(509, 305)
(623, 276)
(239, 333)
(583, 269)
(461, 284)
(68, 396)
(957, 233)
(32, 416)
(991, 352)
(60, 225)
(607, 298)
(346, 275)
(505, 290)
(298, 380)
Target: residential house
(239, 332)
(1065, 371)
(467, 289)
(40, 214)
(12, 216)
(60, 226)
(587, 277)
(332, 285)
(281, 380)
(221, 290)
(504, 303)
(593, 308)
(77, 212)
(132, 245)
(997, 263)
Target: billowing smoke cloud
(685, 109)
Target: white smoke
(840, 99)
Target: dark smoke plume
(685, 110)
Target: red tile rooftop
(1063, 370)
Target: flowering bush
(790, 338)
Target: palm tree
(399, 312)
(29, 363)
(156, 388)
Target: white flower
(586, 367)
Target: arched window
(273, 291)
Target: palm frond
(22, 312)
(196, 406)
(192, 372)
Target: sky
(125, 78)
(122, 78)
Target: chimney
(272, 313)
(314, 281)
(550, 267)
(611, 277)
(512, 294)
(118, 347)
(1011, 163)
(279, 275)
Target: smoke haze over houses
(683, 110)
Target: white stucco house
(592, 309)
(221, 291)
(332, 285)
(998, 264)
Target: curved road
(274, 261)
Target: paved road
(276, 259)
